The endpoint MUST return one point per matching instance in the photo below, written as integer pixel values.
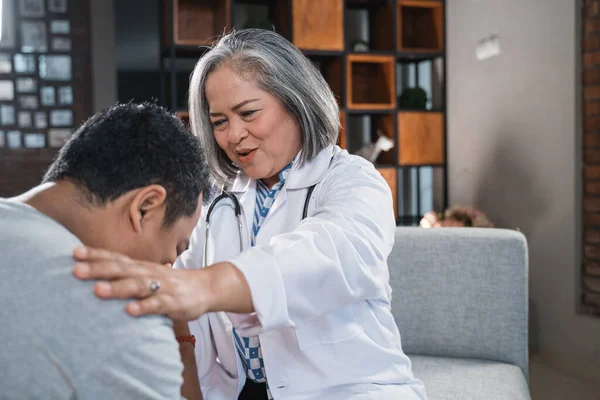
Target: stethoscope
(237, 210)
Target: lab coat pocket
(328, 329)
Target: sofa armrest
(461, 292)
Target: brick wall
(21, 169)
(590, 47)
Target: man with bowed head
(130, 180)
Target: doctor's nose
(237, 132)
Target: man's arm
(191, 386)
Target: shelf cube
(421, 137)
(371, 82)
(197, 23)
(318, 26)
(420, 25)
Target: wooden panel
(200, 22)
(420, 25)
(391, 177)
(381, 26)
(421, 136)
(342, 137)
(371, 82)
(318, 27)
(332, 73)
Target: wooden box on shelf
(318, 25)
(420, 25)
(371, 82)
(421, 137)
(196, 23)
(391, 177)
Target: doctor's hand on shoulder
(178, 293)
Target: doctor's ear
(148, 204)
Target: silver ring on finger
(154, 286)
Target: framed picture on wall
(47, 96)
(5, 64)
(13, 139)
(24, 119)
(57, 6)
(7, 115)
(60, 27)
(33, 37)
(7, 90)
(34, 140)
(28, 102)
(26, 85)
(61, 118)
(55, 68)
(41, 120)
(65, 95)
(31, 8)
(25, 63)
(61, 44)
(58, 137)
(9, 32)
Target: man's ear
(148, 204)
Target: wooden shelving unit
(405, 48)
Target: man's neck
(62, 201)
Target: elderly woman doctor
(285, 281)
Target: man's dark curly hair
(129, 146)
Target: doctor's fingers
(117, 268)
(176, 293)
(86, 253)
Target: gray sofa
(460, 301)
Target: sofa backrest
(461, 292)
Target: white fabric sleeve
(335, 257)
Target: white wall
(513, 150)
(104, 67)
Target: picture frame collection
(36, 77)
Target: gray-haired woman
(287, 290)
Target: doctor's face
(251, 126)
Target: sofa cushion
(463, 379)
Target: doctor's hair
(130, 146)
(278, 68)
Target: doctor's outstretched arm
(339, 252)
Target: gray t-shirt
(58, 340)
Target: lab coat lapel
(245, 189)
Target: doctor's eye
(248, 113)
(218, 123)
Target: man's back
(57, 339)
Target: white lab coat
(319, 287)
